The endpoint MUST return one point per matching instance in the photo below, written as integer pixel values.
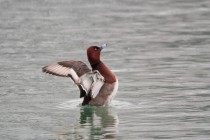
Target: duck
(98, 85)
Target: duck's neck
(105, 72)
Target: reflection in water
(95, 123)
(102, 122)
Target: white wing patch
(62, 71)
(97, 84)
(92, 82)
(86, 81)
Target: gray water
(159, 50)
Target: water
(158, 49)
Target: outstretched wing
(73, 69)
(65, 68)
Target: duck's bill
(103, 46)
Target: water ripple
(117, 104)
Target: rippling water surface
(158, 49)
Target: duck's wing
(92, 82)
(67, 68)
(98, 82)
(72, 69)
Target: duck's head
(93, 54)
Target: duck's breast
(114, 92)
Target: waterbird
(97, 86)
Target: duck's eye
(96, 49)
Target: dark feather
(79, 67)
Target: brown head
(93, 54)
